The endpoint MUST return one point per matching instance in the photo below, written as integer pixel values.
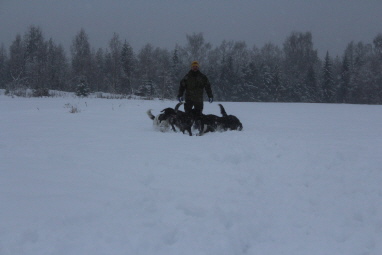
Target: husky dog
(162, 121)
(211, 123)
(183, 121)
(229, 122)
(205, 123)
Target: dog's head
(168, 111)
(166, 114)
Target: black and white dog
(205, 123)
(229, 122)
(183, 121)
(210, 123)
(163, 121)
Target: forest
(35, 66)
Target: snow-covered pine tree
(4, 77)
(82, 89)
(327, 80)
(128, 67)
(82, 57)
(342, 92)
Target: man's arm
(182, 88)
(208, 89)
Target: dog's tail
(222, 111)
(177, 106)
(151, 116)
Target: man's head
(194, 66)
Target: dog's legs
(210, 129)
(201, 128)
(198, 126)
(172, 123)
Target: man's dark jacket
(194, 82)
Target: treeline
(291, 73)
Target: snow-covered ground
(299, 179)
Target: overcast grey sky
(165, 23)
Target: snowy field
(300, 179)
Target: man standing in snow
(193, 83)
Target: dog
(205, 123)
(183, 121)
(163, 121)
(229, 122)
(211, 123)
